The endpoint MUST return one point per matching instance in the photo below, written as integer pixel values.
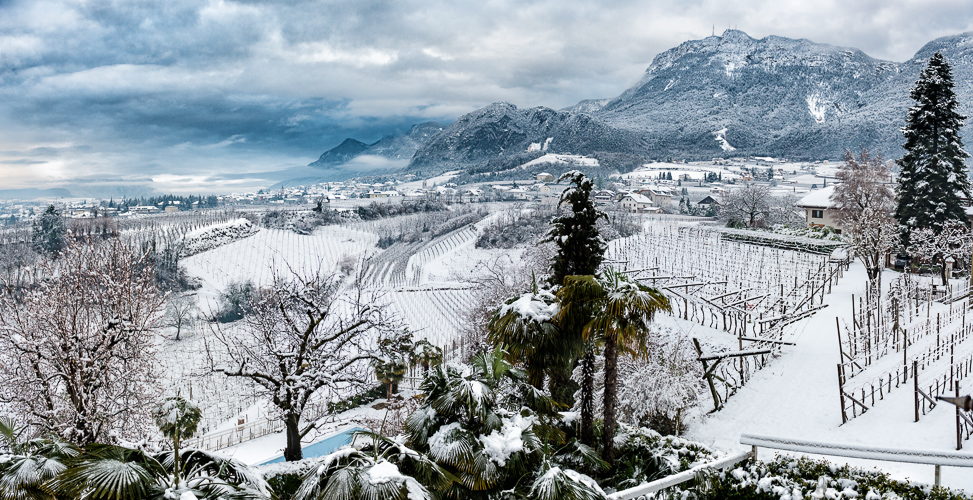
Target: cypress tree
(580, 251)
(933, 173)
(580, 248)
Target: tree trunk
(560, 386)
(611, 379)
(292, 429)
(175, 457)
(535, 375)
(588, 396)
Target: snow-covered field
(428, 283)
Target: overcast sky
(177, 90)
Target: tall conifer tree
(933, 173)
(580, 248)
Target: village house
(819, 209)
(637, 203)
(659, 195)
(603, 195)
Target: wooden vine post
(709, 369)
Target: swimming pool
(322, 447)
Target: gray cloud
(176, 86)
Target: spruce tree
(49, 231)
(580, 248)
(932, 172)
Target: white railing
(643, 490)
(926, 457)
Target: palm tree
(469, 415)
(377, 468)
(109, 472)
(522, 327)
(31, 465)
(576, 299)
(621, 312)
(425, 355)
(43, 469)
(177, 419)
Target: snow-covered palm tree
(522, 327)
(29, 467)
(109, 472)
(621, 310)
(485, 425)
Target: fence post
(915, 388)
(841, 395)
(959, 435)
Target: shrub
(235, 302)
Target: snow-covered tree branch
(303, 335)
(864, 201)
(76, 346)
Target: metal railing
(643, 490)
(926, 457)
(885, 454)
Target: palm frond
(565, 484)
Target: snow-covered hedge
(210, 237)
(787, 478)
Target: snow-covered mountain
(775, 96)
(722, 95)
(396, 147)
(503, 130)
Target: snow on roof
(820, 198)
(638, 198)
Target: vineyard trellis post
(959, 430)
(915, 386)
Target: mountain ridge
(727, 95)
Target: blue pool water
(323, 447)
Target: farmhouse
(634, 202)
(659, 195)
(819, 210)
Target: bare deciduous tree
(864, 202)
(952, 242)
(76, 347)
(181, 312)
(301, 336)
(749, 206)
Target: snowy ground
(796, 396)
(428, 283)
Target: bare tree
(181, 312)
(952, 242)
(864, 202)
(873, 233)
(301, 336)
(76, 346)
(748, 206)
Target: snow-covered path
(796, 396)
